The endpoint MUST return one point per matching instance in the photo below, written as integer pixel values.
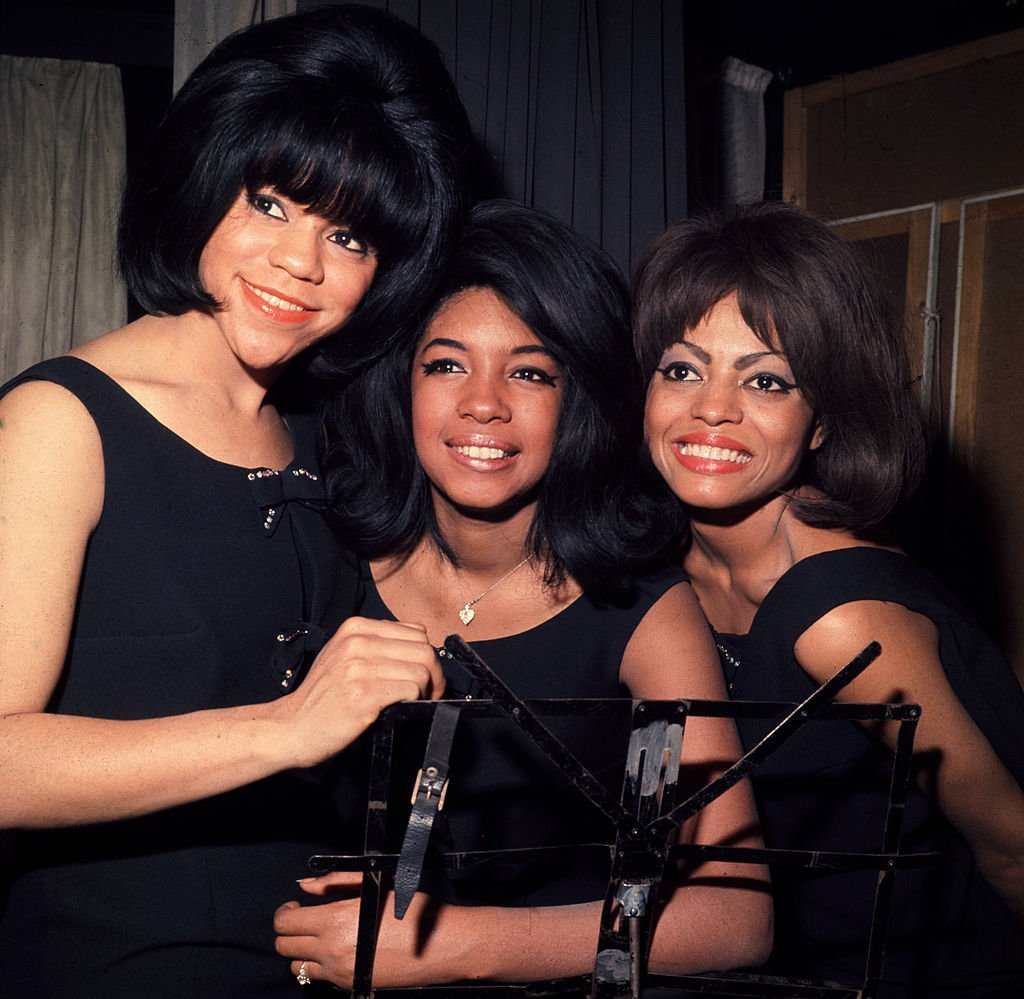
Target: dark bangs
(694, 266)
(335, 162)
(672, 294)
(346, 110)
(785, 322)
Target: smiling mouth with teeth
(473, 451)
(277, 303)
(708, 453)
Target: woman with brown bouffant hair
(780, 414)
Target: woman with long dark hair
(486, 473)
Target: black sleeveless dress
(949, 934)
(205, 585)
(503, 793)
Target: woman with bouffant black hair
(780, 412)
(168, 585)
(321, 108)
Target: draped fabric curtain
(743, 132)
(199, 25)
(62, 152)
(578, 104)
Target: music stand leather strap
(428, 796)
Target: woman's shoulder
(51, 449)
(834, 576)
(52, 396)
(62, 368)
(841, 600)
(606, 620)
(68, 393)
(837, 588)
(94, 369)
(823, 579)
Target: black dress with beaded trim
(205, 585)
(949, 934)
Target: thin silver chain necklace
(466, 612)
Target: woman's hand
(323, 937)
(364, 667)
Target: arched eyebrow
(443, 341)
(740, 364)
(533, 348)
(450, 344)
(748, 360)
(702, 355)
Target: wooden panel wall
(922, 164)
(944, 125)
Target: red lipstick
(711, 453)
(279, 311)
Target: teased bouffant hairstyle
(804, 291)
(592, 521)
(346, 110)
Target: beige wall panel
(946, 128)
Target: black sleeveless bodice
(826, 788)
(194, 570)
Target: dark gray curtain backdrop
(578, 105)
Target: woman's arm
(719, 915)
(437, 943)
(66, 770)
(954, 762)
(701, 926)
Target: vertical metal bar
(371, 894)
(898, 788)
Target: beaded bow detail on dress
(273, 490)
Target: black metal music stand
(645, 817)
